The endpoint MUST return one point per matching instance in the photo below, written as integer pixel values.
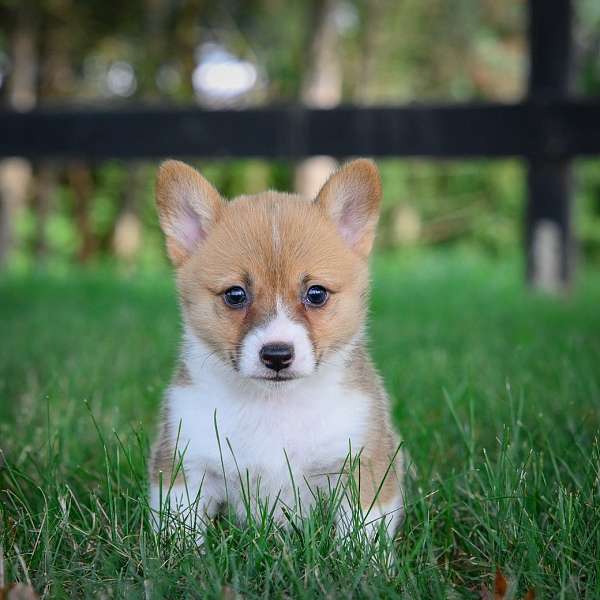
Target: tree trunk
(55, 81)
(45, 186)
(127, 235)
(80, 179)
(321, 88)
(15, 178)
(15, 173)
(370, 43)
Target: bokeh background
(494, 387)
(240, 54)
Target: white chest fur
(267, 438)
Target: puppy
(275, 389)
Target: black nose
(277, 356)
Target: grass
(496, 392)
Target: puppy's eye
(316, 295)
(235, 297)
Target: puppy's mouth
(279, 378)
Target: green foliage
(476, 204)
(495, 391)
(587, 209)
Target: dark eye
(235, 297)
(316, 295)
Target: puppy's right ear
(188, 206)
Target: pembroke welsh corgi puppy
(274, 386)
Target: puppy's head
(272, 284)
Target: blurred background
(224, 54)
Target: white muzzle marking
(280, 329)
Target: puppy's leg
(383, 517)
(373, 500)
(186, 504)
(372, 519)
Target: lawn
(496, 392)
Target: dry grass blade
(1, 567)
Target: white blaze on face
(280, 329)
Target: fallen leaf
(500, 586)
(501, 589)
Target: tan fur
(163, 461)
(182, 376)
(381, 461)
(163, 458)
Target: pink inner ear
(352, 220)
(189, 229)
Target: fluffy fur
(285, 434)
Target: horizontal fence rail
(532, 129)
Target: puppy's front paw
(180, 515)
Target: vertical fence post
(548, 233)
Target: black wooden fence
(547, 129)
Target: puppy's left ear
(351, 198)
(188, 206)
